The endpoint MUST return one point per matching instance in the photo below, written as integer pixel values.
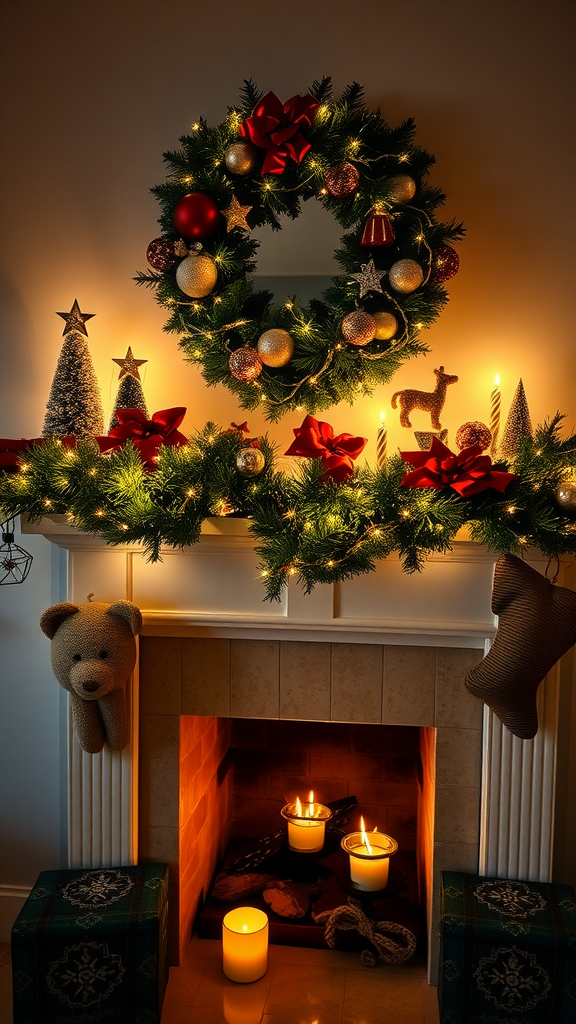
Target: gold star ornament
(369, 279)
(236, 215)
(129, 365)
(75, 319)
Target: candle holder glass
(369, 870)
(306, 826)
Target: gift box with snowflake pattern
(91, 946)
(508, 951)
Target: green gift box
(507, 951)
(90, 947)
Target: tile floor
(301, 986)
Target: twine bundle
(349, 917)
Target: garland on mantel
(311, 530)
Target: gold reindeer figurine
(427, 401)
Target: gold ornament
(236, 215)
(565, 495)
(386, 326)
(405, 276)
(403, 188)
(240, 158)
(197, 275)
(275, 347)
(245, 364)
(250, 461)
(359, 328)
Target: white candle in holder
(306, 824)
(369, 854)
(245, 944)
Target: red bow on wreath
(10, 448)
(468, 473)
(147, 435)
(279, 129)
(315, 440)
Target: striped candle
(495, 403)
(382, 442)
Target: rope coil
(349, 917)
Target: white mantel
(214, 589)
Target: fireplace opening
(235, 775)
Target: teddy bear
(93, 653)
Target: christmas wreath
(261, 162)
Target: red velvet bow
(279, 129)
(468, 473)
(315, 439)
(10, 448)
(147, 435)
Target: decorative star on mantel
(369, 278)
(129, 365)
(236, 215)
(75, 319)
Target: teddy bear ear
(128, 611)
(53, 617)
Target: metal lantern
(15, 562)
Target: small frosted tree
(129, 396)
(74, 405)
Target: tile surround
(275, 680)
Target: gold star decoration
(369, 278)
(236, 215)
(75, 319)
(129, 365)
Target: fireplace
(390, 724)
(381, 650)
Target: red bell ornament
(378, 230)
(196, 216)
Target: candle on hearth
(382, 442)
(369, 854)
(495, 402)
(306, 824)
(245, 944)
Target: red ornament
(378, 230)
(279, 129)
(245, 364)
(468, 473)
(445, 263)
(342, 180)
(315, 440)
(160, 254)
(146, 435)
(474, 434)
(196, 216)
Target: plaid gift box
(507, 952)
(90, 947)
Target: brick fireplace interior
(232, 729)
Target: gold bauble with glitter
(245, 364)
(275, 347)
(359, 328)
(565, 495)
(405, 276)
(197, 275)
(386, 326)
(240, 158)
(403, 188)
(250, 462)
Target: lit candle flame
(382, 417)
(497, 381)
(244, 927)
(311, 804)
(298, 807)
(364, 836)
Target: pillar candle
(245, 944)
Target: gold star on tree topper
(236, 215)
(369, 278)
(129, 365)
(75, 319)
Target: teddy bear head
(93, 650)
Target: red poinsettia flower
(147, 435)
